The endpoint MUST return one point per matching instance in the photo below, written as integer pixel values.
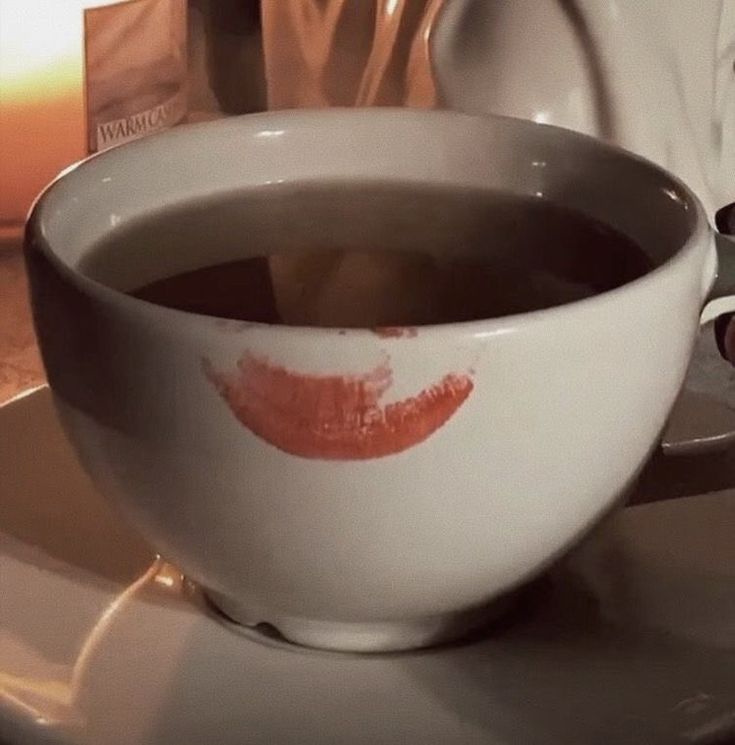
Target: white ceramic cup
(488, 446)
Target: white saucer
(631, 640)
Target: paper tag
(135, 70)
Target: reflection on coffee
(366, 255)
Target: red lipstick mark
(334, 417)
(395, 332)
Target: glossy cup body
(508, 437)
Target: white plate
(631, 640)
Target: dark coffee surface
(367, 255)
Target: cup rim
(36, 233)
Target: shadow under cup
(360, 490)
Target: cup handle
(697, 454)
(725, 284)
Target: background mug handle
(697, 453)
(724, 329)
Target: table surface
(20, 362)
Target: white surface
(655, 77)
(447, 524)
(632, 642)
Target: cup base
(385, 636)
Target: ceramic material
(655, 77)
(435, 471)
(630, 642)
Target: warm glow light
(39, 44)
(42, 108)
